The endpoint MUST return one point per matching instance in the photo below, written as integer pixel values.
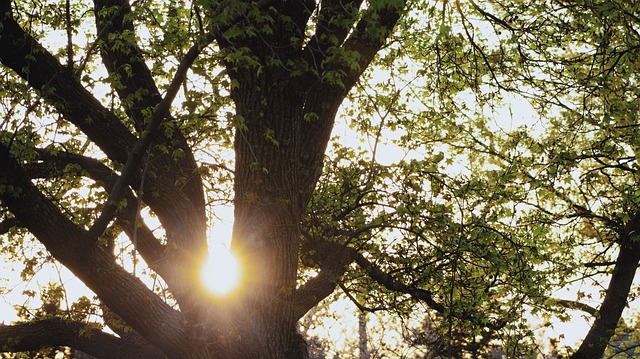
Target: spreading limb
(55, 332)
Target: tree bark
(55, 332)
(615, 300)
(124, 294)
(284, 125)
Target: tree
(286, 88)
(583, 79)
(474, 229)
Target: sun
(221, 272)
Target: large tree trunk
(271, 193)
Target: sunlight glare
(221, 273)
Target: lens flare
(221, 272)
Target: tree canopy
(451, 165)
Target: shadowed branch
(54, 332)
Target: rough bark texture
(56, 332)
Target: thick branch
(49, 166)
(615, 299)
(390, 283)
(192, 242)
(180, 208)
(136, 155)
(119, 290)
(24, 55)
(335, 19)
(322, 285)
(336, 257)
(119, 326)
(369, 36)
(7, 224)
(33, 336)
(124, 60)
(136, 87)
(325, 97)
